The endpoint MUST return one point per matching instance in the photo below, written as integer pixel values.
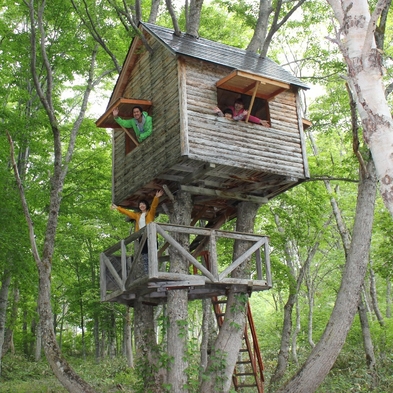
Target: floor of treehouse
(154, 291)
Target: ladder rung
(240, 374)
(244, 362)
(218, 301)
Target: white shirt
(142, 220)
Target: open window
(254, 90)
(125, 106)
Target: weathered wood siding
(154, 77)
(237, 144)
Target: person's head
(239, 104)
(143, 205)
(137, 112)
(228, 114)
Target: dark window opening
(260, 107)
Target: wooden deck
(121, 283)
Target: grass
(20, 375)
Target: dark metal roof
(215, 52)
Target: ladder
(248, 372)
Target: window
(125, 106)
(255, 91)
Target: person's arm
(152, 211)
(218, 112)
(257, 120)
(127, 212)
(147, 129)
(126, 123)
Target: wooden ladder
(248, 372)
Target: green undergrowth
(20, 375)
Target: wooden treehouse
(179, 80)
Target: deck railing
(119, 265)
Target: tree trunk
(388, 298)
(365, 73)
(194, 17)
(178, 299)
(5, 285)
(368, 344)
(8, 343)
(374, 298)
(226, 348)
(323, 356)
(367, 341)
(128, 339)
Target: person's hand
(115, 112)
(265, 123)
(113, 206)
(159, 193)
(216, 109)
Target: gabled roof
(222, 54)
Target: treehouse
(178, 80)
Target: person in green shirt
(141, 123)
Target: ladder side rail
(253, 332)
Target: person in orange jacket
(142, 218)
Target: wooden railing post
(151, 231)
(123, 262)
(102, 277)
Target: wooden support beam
(130, 135)
(224, 194)
(204, 169)
(252, 100)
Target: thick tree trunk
(323, 356)
(224, 355)
(178, 299)
(128, 339)
(365, 73)
(194, 17)
(147, 355)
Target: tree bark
(374, 297)
(323, 356)
(194, 17)
(178, 299)
(5, 286)
(368, 344)
(356, 41)
(388, 298)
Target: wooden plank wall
(154, 77)
(273, 150)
